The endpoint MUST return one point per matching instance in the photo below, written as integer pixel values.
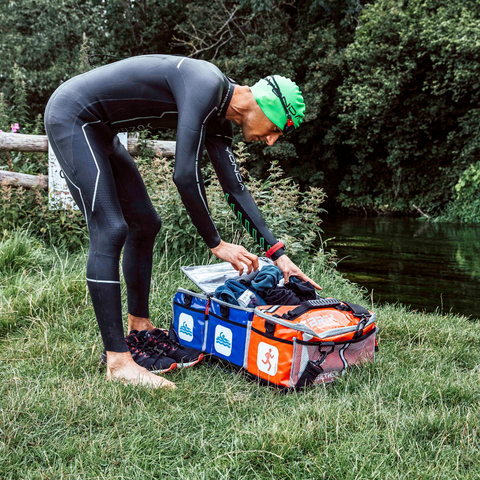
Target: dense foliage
(391, 86)
(408, 106)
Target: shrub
(465, 208)
(20, 208)
(291, 215)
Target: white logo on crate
(319, 320)
(327, 377)
(267, 358)
(223, 340)
(185, 327)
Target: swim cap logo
(223, 340)
(185, 331)
(231, 157)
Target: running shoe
(183, 356)
(103, 356)
(147, 353)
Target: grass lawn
(415, 413)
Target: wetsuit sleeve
(219, 148)
(194, 112)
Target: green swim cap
(266, 95)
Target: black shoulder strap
(358, 310)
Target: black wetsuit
(82, 119)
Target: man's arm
(219, 146)
(194, 113)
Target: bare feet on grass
(121, 367)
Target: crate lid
(209, 277)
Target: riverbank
(415, 413)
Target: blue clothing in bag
(232, 290)
(268, 277)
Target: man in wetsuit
(82, 119)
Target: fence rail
(16, 142)
(24, 180)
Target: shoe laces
(136, 344)
(149, 346)
(161, 337)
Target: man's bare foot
(121, 367)
(139, 323)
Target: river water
(430, 266)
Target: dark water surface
(426, 265)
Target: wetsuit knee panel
(116, 234)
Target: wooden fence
(16, 142)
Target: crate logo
(185, 327)
(223, 340)
(318, 320)
(326, 377)
(267, 358)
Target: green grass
(415, 413)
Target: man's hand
(289, 269)
(236, 255)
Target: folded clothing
(292, 293)
(233, 290)
(264, 290)
(267, 277)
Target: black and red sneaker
(184, 356)
(147, 354)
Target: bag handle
(187, 300)
(314, 368)
(310, 305)
(357, 310)
(325, 353)
(225, 311)
(269, 327)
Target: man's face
(257, 127)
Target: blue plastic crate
(228, 332)
(190, 319)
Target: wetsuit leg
(82, 147)
(143, 223)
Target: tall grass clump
(20, 250)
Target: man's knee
(115, 235)
(150, 227)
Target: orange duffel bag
(313, 343)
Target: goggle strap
(277, 90)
